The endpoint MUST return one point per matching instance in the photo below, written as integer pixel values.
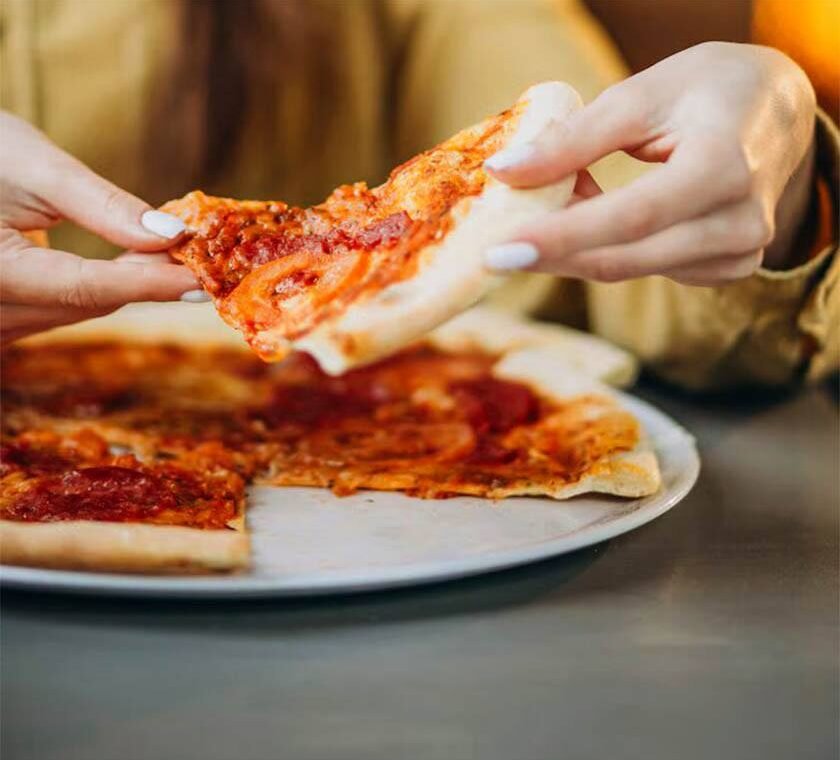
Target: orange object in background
(809, 32)
(646, 31)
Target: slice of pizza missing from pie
(370, 270)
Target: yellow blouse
(415, 72)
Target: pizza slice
(370, 270)
(83, 484)
(437, 424)
(70, 501)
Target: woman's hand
(40, 288)
(733, 126)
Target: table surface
(710, 633)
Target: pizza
(368, 271)
(128, 441)
(72, 500)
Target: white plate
(307, 541)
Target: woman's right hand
(40, 288)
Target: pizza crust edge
(122, 547)
(633, 473)
(564, 350)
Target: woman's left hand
(733, 126)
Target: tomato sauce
(495, 406)
(19, 457)
(347, 236)
(311, 405)
(244, 241)
(426, 421)
(115, 494)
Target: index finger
(39, 276)
(613, 121)
(692, 183)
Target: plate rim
(342, 582)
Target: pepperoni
(245, 240)
(108, 492)
(288, 294)
(311, 405)
(495, 406)
(267, 247)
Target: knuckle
(624, 101)
(113, 200)
(605, 269)
(751, 263)
(610, 97)
(11, 241)
(552, 238)
(634, 112)
(738, 178)
(757, 228)
(723, 160)
(80, 291)
(742, 267)
(637, 220)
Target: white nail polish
(163, 224)
(511, 256)
(511, 157)
(195, 296)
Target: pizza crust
(546, 348)
(631, 474)
(122, 547)
(451, 275)
(186, 324)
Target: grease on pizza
(369, 270)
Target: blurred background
(269, 98)
(647, 31)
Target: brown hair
(234, 62)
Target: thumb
(611, 122)
(75, 192)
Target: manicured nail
(510, 158)
(163, 224)
(511, 256)
(195, 296)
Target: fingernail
(163, 224)
(511, 256)
(510, 158)
(195, 296)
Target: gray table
(711, 633)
